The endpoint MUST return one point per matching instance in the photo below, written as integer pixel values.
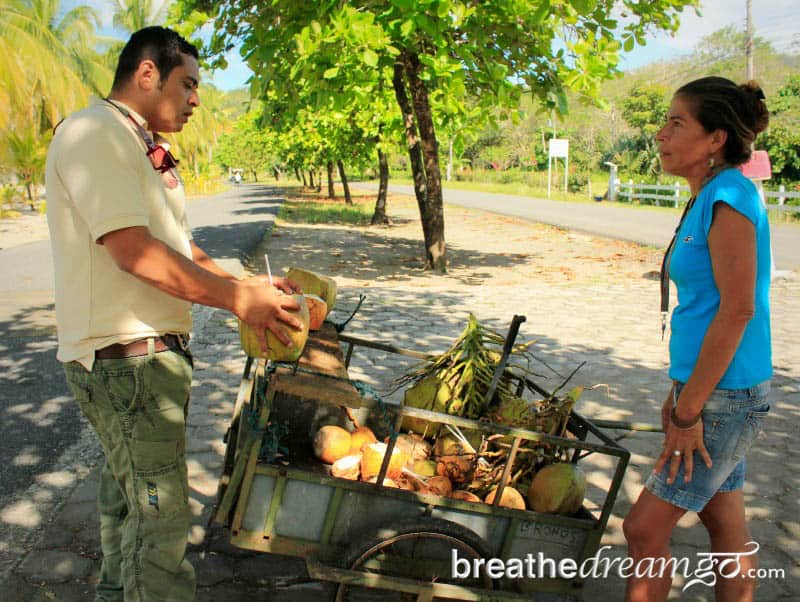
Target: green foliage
(248, 146)
(782, 139)
(645, 108)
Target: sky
(775, 20)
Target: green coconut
(430, 393)
(313, 283)
(278, 352)
(558, 489)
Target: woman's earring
(711, 162)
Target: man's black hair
(161, 45)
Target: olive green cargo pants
(138, 406)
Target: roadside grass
(305, 206)
(525, 190)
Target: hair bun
(756, 102)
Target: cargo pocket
(160, 479)
(751, 428)
(162, 499)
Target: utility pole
(749, 41)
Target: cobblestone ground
(586, 300)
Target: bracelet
(683, 426)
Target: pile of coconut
(449, 467)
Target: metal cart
(380, 543)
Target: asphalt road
(40, 421)
(641, 225)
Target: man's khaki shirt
(99, 179)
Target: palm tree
(133, 15)
(48, 68)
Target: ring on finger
(677, 453)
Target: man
(126, 274)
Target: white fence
(676, 194)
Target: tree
(48, 69)
(133, 15)
(782, 139)
(247, 146)
(445, 49)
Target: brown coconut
(465, 496)
(317, 310)
(359, 437)
(405, 482)
(439, 486)
(348, 467)
(331, 443)
(372, 457)
(511, 498)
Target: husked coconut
(348, 467)
(331, 443)
(465, 496)
(359, 437)
(439, 486)
(511, 498)
(372, 457)
(415, 446)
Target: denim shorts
(732, 420)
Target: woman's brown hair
(719, 104)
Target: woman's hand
(684, 441)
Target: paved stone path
(586, 300)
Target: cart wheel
(418, 549)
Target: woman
(720, 349)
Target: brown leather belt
(118, 351)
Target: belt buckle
(183, 341)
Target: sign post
(558, 148)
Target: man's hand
(283, 284)
(263, 307)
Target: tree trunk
(255, 175)
(319, 181)
(414, 155)
(297, 175)
(331, 192)
(348, 198)
(311, 178)
(29, 188)
(433, 214)
(305, 182)
(379, 216)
